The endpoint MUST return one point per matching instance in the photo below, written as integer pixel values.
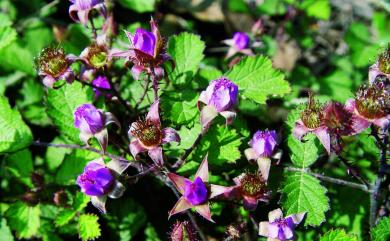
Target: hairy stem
(187, 152)
(155, 83)
(331, 179)
(381, 175)
(143, 94)
(136, 165)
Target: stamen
(148, 132)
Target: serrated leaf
(80, 201)
(89, 227)
(73, 165)
(61, 104)
(338, 235)
(14, 133)
(54, 156)
(257, 79)
(222, 145)
(304, 193)
(180, 107)
(140, 6)
(382, 230)
(66, 215)
(317, 8)
(7, 35)
(186, 50)
(303, 153)
(5, 231)
(20, 164)
(15, 57)
(23, 219)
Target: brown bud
(30, 198)
(60, 198)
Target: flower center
(312, 115)
(384, 61)
(337, 119)
(52, 61)
(252, 185)
(372, 101)
(148, 132)
(86, 177)
(97, 55)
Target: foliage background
(326, 46)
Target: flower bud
(96, 180)
(241, 40)
(89, 119)
(101, 82)
(195, 192)
(264, 143)
(183, 231)
(60, 198)
(221, 93)
(30, 198)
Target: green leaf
(89, 227)
(151, 234)
(20, 164)
(338, 235)
(317, 8)
(66, 215)
(180, 107)
(5, 231)
(140, 6)
(304, 193)
(77, 39)
(186, 50)
(61, 104)
(382, 230)
(7, 33)
(257, 79)
(222, 145)
(24, 220)
(303, 153)
(55, 156)
(15, 57)
(14, 133)
(73, 165)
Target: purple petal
(382, 122)
(195, 192)
(250, 203)
(297, 218)
(136, 71)
(263, 229)
(216, 190)
(170, 135)
(273, 230)
(241, 40)
(324, 137)
(300, 130)
(49, 81)
(144, 41)
(101, 82)
(156, 155)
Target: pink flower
(381, 66)
(220, 97)
(196, 193)
(146, 51)
(149, 136)
(99, 181)
(370, 106)
(53, 65)
(79, 10)
(279, 228)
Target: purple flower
(238, 44)
(89, 119)
(149, 136)
(241, 40)
(280, 228)
(146, 52)
(220, 97)
(98, 181)
(101, 82)
(53, 65)
(263, 144)
(79, 10)
(196, 194)
(381, 66)
(92, 123)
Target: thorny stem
(355, 173)
(187, 152)
(155, 83)
(93, 28)
(381, 175)
(136, 165)
(332, 179)
(143, 95)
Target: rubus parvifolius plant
(205, 146)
